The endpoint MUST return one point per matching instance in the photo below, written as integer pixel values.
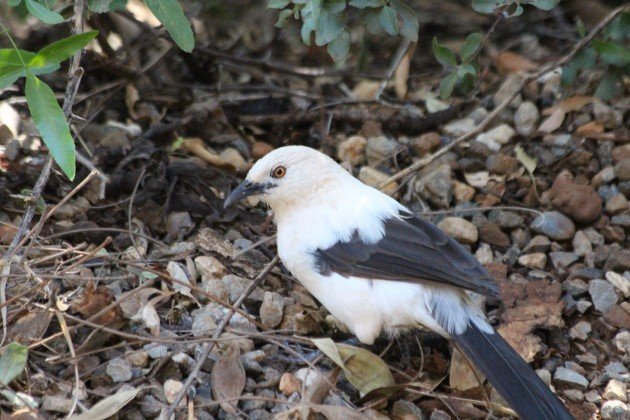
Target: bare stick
(483, 124)
(207, 347)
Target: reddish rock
(425, 143)
(492, 234)
(580, 202)
(620, 153)
(502, 164)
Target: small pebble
(615, 410)
(602, 294)
(581, 330)
(570, 377)
(460, 229)
(554, 224)
(289, 384)
(616, 390)
(119, 369)
(526, 118)
(537, 260)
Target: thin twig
(207, 347)
(411, 169)
(74, 76)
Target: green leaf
(611, 84)
(13, 3)
(329, 27)
(51, 123)
(335, 6)
(61, 50)
(443, 55)
(362, 4)
(372, 21)
(42, 13)
(471, 45)
(99, 6)
(486, 6)
(339, 47)
(170, 13)
(277, 4)
(466, 69)
(12, 362)
(283, 18)
(447, 85)
(410, 26)
(584, 59)
(619, 28)
(310, 16)
(11, 56)
(544, 4)
(388, 19)
(9, 74)
(612, 52)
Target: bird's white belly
(368, 307)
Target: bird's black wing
(412, 250)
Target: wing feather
(412, 250)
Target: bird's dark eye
(278, 172)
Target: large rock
(580, 202)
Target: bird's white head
(289, 176)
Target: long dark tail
(512, 377)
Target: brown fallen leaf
(557, 112)
(31, 326)
(462, 376)
(592, 127)
(197, 147)
(228, 379)
(511, 62)
(93, 301)
(365, 90)
(553, 122)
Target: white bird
(377, 267)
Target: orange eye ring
(279, 172)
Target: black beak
(245, 189)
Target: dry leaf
(31, 326)
(553, 122)
(228, 379)
(197, 147)
(401, 76)
(365, 90)
(93, 301)
(526, 160)
(462, 376)
(511, 62)
(108, 406)
(364, 370)
(178, 273)
(593, 127)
